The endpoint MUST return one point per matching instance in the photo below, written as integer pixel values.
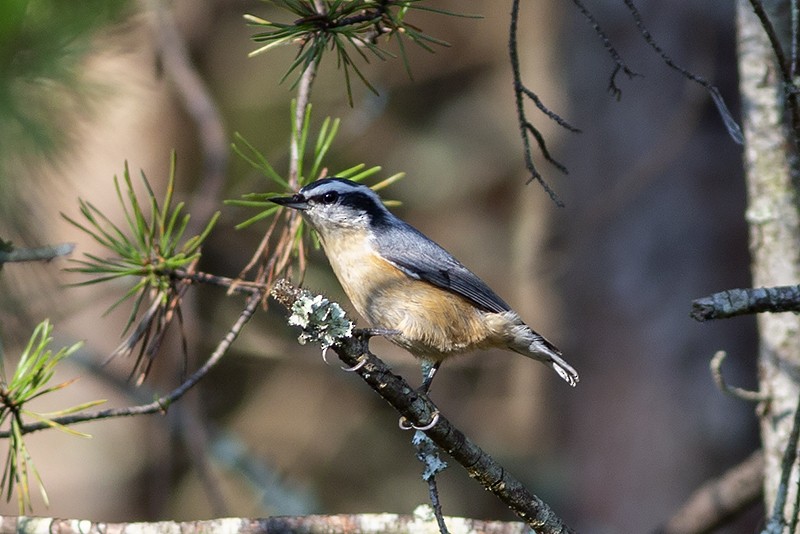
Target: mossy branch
(352, 347)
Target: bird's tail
(530, 344)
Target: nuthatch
(401, 281)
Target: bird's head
(335, 203)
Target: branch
(718, 501)
(733, 302)
(619, 63)
(428, 454)
(303, 98)
(163, 403)
(526, 128)
(312, 523)
(35, 254)
(234, 285)
(734, 130)
(418, 410)
(735, 392)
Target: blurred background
(653, 218)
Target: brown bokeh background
(654, 217)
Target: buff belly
(433, 323)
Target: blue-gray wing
(421, 258)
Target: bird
(404, 283)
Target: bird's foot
(362, 360)
(372, 332)
(404, 424)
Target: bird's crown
(338, 198)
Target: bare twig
(277, 263)
(260, 249)
(718, 501)
(433, 492)
(619, 63)
(233, 285)
(428, 454)
(526, 128)
(36, 254)
(303, 97)
(739, 393)
(735, 302)
(418, 410)
(734, 130)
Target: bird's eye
(330, 197)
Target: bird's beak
(297, 201)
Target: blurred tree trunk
(772, 215)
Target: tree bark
(772, 215)
(312, 524)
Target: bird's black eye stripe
(328, 198)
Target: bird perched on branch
(401, 281)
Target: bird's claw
(362, 360)
(325, 355)
(405, 425)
